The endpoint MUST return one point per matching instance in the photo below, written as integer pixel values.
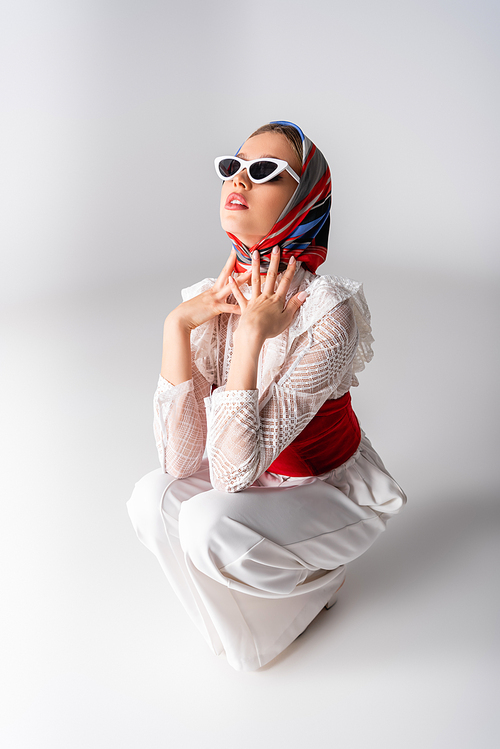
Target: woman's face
(247, 210)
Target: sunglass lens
(262, 169)
(228, 167)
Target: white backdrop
(111, 114)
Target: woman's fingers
(231, 309)
(293, 307)
(236, 292)
(272, 272)
(227, 269)
(256, 291)
(243, 277)
(286, 279)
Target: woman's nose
(242, 179)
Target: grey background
(111, 114)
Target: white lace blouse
(244, 431)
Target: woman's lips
(236, 202)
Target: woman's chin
(248, 240)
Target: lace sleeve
(180, 425)
(245, 436)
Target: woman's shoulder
(334, 289)
(324, 295)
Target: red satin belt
(330, 438)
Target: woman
(256, 370)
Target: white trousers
(254, 568)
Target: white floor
(98, 653)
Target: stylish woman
(256, 371)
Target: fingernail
(275, 250)
(291, 261)
(231, 279)
(255, 255)
(302, 296)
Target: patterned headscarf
(302, 228)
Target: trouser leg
(266, 561)
(252, 568)
(274, 539)
(157, 529)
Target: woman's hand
(176, 361)
(213, 302)
(266, 314)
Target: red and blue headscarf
(302, 228)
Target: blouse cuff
(166, 391)
(233, 399)
(232, 403)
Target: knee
(203, 531)
(213, 531)
(219, 537)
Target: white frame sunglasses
(280, 166)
